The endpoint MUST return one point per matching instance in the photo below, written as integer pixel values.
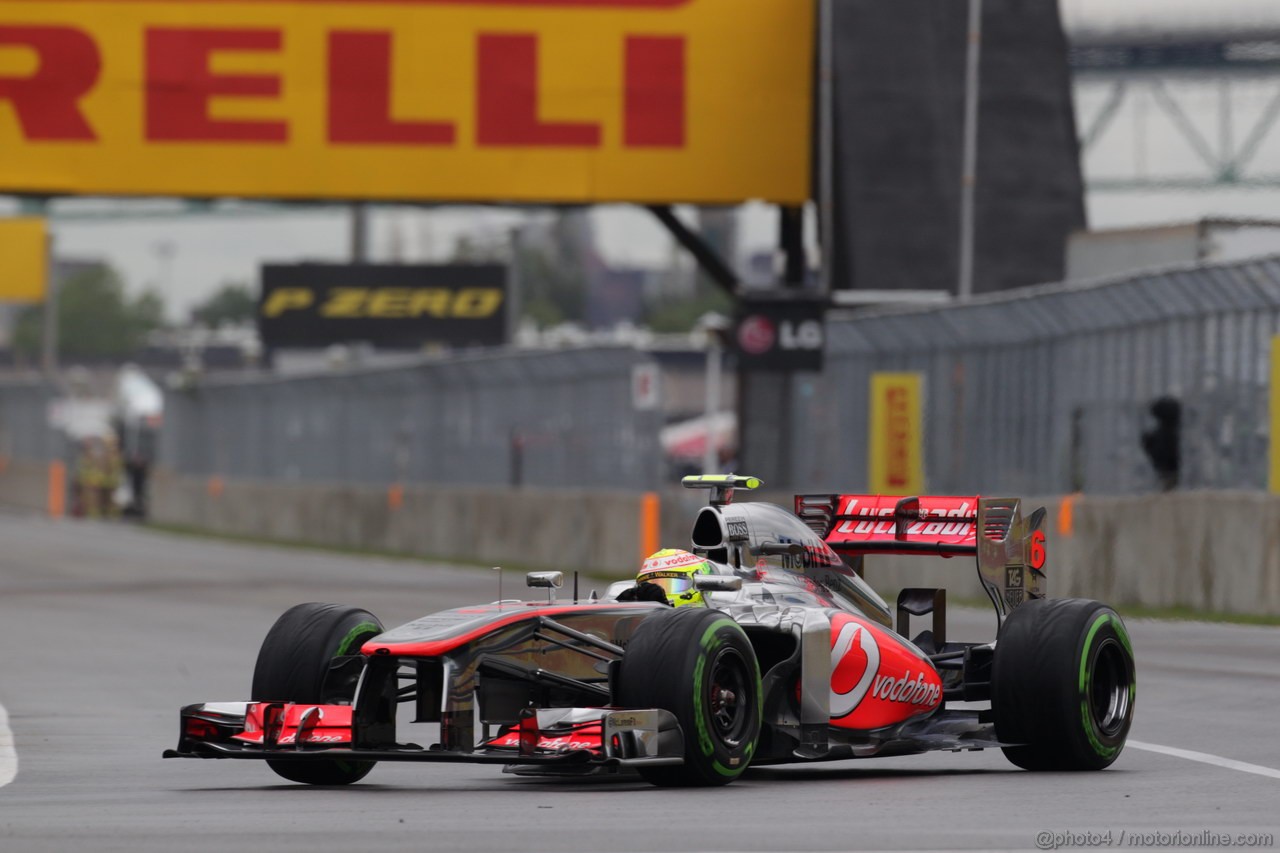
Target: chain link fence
(24, 421)
(557, 419)
(1039, 391)
(1043, 390)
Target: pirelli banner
(895, 462)
(307, 306)
(467, 100)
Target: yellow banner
(895, 460)
(450, 100)
(24, 260)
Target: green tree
(680, 315)
(96, 320)
(551, 291)
(233, 303)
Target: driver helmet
(673, 570)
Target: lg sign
(781, 335)
(556, 100)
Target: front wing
(583, 737)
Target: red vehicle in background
(793, 658)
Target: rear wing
(1009, 548)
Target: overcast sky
(188, 258)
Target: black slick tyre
(292, 667)
(1063, 685)
(699, 665)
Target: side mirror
(544, 580)
(717, 583)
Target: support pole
(791, 241)
(49, 331)
(711, 408)
(359, 232)
(710, 262)
(969, 168)
(826, 142)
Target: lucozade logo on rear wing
(556, 100)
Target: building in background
(1118, 251)
(899, 95)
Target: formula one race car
(792, 658)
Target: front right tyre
(293, 666)
(1063, 685)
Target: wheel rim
(729, 698)
(341, 691)
(1110, 688)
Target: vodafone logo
(911, 690)
(855, 660)
(756, 334)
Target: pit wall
(562, 528)
(24, 485)
(1210, 552)
(1203, 551)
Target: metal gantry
(1217, 103)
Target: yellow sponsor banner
(1273, 478)
(24, 259)
(450, 100)
(896, 451)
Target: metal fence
(1043, 390)
(24, 421)
(564, 418)
(1039, 391)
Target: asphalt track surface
(107, 630)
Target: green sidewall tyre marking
(709, 643)
(344, 647)
(1086, 715)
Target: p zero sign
(780, 334)
(479, 100)
(393, 307)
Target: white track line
(1206, 758)
(8, 755)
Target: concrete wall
(564, 528)
(1205, 551)
(24, 485)
(1213, 552)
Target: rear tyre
(699, 665)
(1063, 685)
(292, 667)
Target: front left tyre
(294, 666)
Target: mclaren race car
(791, 657)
